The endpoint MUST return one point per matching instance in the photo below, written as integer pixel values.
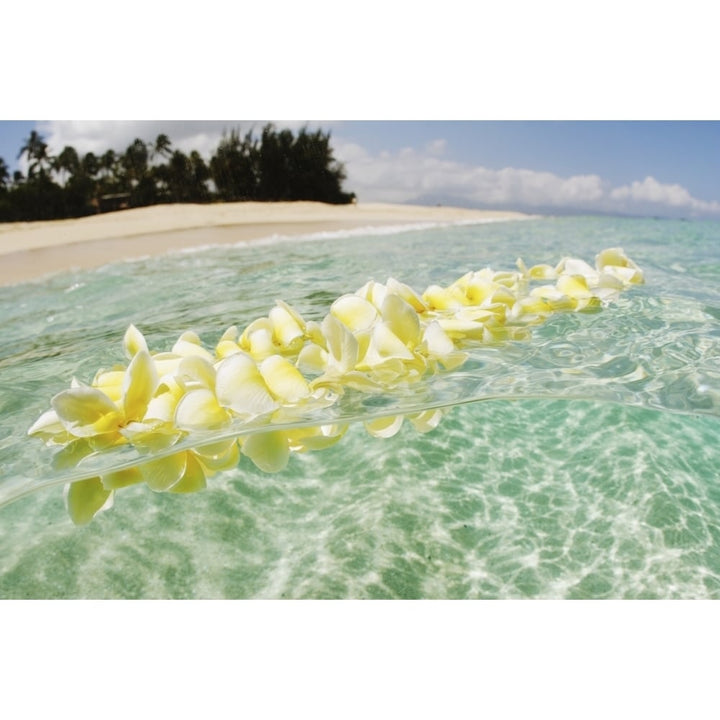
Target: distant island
(279, 165)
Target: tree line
(277, 165)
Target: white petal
(225, 348)
(574, 286)
(231, 334)
(384, 427)
(426, 421)
(627, 275)
(284, 379)
(85, 411)
(314, 333)
(220, 455)
(240, 387)
(198, 370)
(166, 363)
(438, 346)
(188, 344)
(312, 358)
(260, 343)
(221, 462)
(384, 346)
(437, 298)
(86, 498)
(373, 292)
(613, 259)
(161, 474)
(436, 340)
(167, 396)
(315, 438)
(573, 266)
(193, 479)
(122, 478)
(542, 272)
(341, 344)
(407, 294)
(133, 342)
(227, 345)
(402, 319)
(110, 382)
(47, 425)
(286, 328)
(200, 410)
(292, 312)
(139, 385)
(354, 312)
(269, 451)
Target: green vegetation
(278, 165)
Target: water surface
(580, 463)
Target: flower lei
(280, 367)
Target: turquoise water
(580, 463)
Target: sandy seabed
(34, 249)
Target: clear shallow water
(599, 479)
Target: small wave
(362, 231)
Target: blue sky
(629, 167)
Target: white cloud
(409, 174)
(99, 136)
(436, 147)
(652, 192)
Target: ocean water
(581, 463)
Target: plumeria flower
(270, 450)
(386, 427)
(439, 349)
(86, 411)
(374, 292)
(616, 263)
(281, 333)
(122, 406)
(335, 360)
(407, 294)
(241, 388)
(536, 272)
(356, 313)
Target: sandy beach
(32, 250)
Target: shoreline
(33, 250)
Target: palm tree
(66, 163)
(135, 161)
(35, 148)
(277, 166)
(108, 162)
(179, 177)
(161, 147)
(90, 164)
(233, 167)
(200, 176)
(315, 174)
(4, 174)
(274, 166)
(80, 191)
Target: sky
(656, 168)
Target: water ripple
(599, 479)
